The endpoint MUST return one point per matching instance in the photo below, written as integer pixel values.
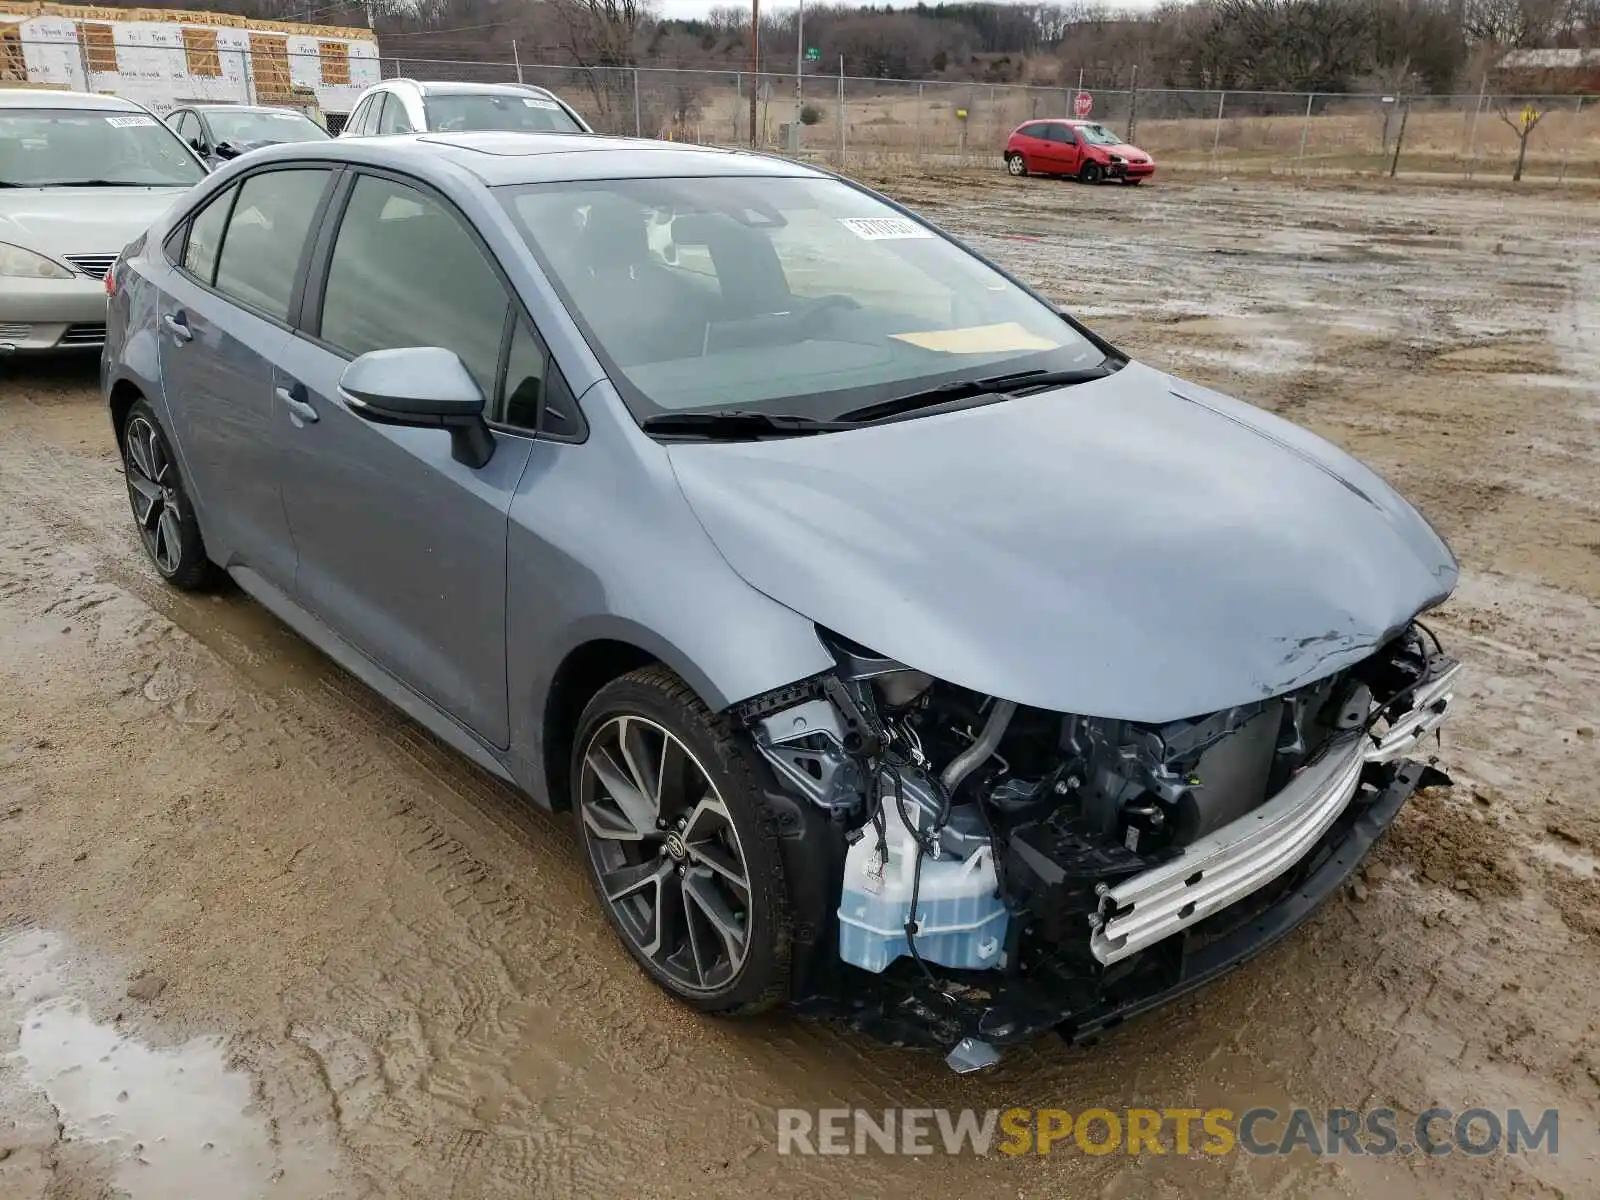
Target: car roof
(498, 159)
(452, 88)
(266, 108)
(46, 98)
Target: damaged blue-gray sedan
(903, 650)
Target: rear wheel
(1092, 173)
(160, 502)
(1015, 165)
(680, 845)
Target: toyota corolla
(904, 651)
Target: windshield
(783, 295)
(45, 147)
(1099, 135)
(282, 126)
(515, 114)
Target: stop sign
(1083, 105)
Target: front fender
(602, 546)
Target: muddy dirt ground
(260, 935)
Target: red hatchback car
(1082, 149)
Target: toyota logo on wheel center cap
(676, 848)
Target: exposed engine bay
(1052, 859)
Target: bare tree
(1522, 124)
(603, 38)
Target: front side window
(187, 127)
(46, 147)
(792, 295)
(509, 113)
(1063, 134)
(266, 234)
(405, 272)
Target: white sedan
(81, 176)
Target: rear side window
(266, 233)
(205, 238)
(405, 272)
(394, 119)
(1034, 131)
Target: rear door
(402, 549)
(224, 320)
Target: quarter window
(536, 396)
(205, 237)
(266, 234)
(405, 272)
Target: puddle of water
(1574, 859)
(179, 1121)
(1266, 356)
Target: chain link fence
(868, 122)
(885, 122)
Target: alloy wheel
(153, 491)
(666, 853)
(1015, 165)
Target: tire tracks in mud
(511, 956)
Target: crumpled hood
(1135, 547)
(60, 221)
(1125, 151)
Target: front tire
(681, 848)
(1091, 173)
(160, 502)
(1016, 165)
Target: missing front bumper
(1250, 852)
(902, 1008)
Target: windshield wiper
(98, 183)
(963, 393)
(739, 423)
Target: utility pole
(799, 65)
(755, 64)
(516, 58)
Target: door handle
(297, 407)
(178, 327)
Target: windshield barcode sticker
(884, 229)
(542, 104)
(129, 122)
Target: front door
(1063, 150)
(402, 549)
(224, 313)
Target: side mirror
(197, 145)
(424, 387)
